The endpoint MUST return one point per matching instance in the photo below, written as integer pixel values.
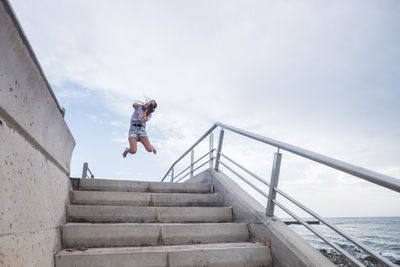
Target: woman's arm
(136, 105)
(145, 118)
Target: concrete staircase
(128, 223)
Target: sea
(381, 234)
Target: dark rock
(370, 258)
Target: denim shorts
(137, 132)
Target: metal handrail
(246, 170)
(304, 223)
(85, 171)
(187, 168)
(345, 253)
(191, 165)
(354, 241)
(202, 157)
(315, 215)
(204, 163)
(190, 149)
(371, 176)
(245, 180)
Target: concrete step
(76, 235)
(138, 186)
(220, 255)
(143, 199)
(132, 214)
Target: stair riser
(135, 259)
(238, 257)
(126, 214)
(144, 199)
(114, 235)
(134, 186)
(234, 257)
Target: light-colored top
(137, 116)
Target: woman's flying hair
(150, 108)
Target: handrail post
(172, 175)
(84, 170)
(191, 163)
(211, 150)
(221, 139)
(274, 183)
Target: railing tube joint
(211, 147)
(191, 163)
(218, 156)
(84, 170)
(274, 183)
(172, 175)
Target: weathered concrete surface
(132, 214)
(77, 235)
(287, 247)
(139, 186)
(194, 214)
(204, 233)
(250, 256)
(26, 97)
(144, 199)
(35, 152)
(223, 254)
(33, 194)
(122, 228)
(113, 258)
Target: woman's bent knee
(132, 151)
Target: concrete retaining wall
(287, 247)
(35, 152)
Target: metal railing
(371, 176)
(85, 171)
(192, 168)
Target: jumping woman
(137, 131)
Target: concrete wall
(287, 247)
(35, 152)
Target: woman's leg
(146, 142)
(132, 147)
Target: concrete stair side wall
(287, 247)
(35, 153)
(26, 99)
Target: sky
(321, 75)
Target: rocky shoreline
(340, 260)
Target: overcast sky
(322, 75)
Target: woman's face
(151, 103)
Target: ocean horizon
(380, 233)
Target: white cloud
(120, 140)
(314, 74)
(71, 93)
(104, 119)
